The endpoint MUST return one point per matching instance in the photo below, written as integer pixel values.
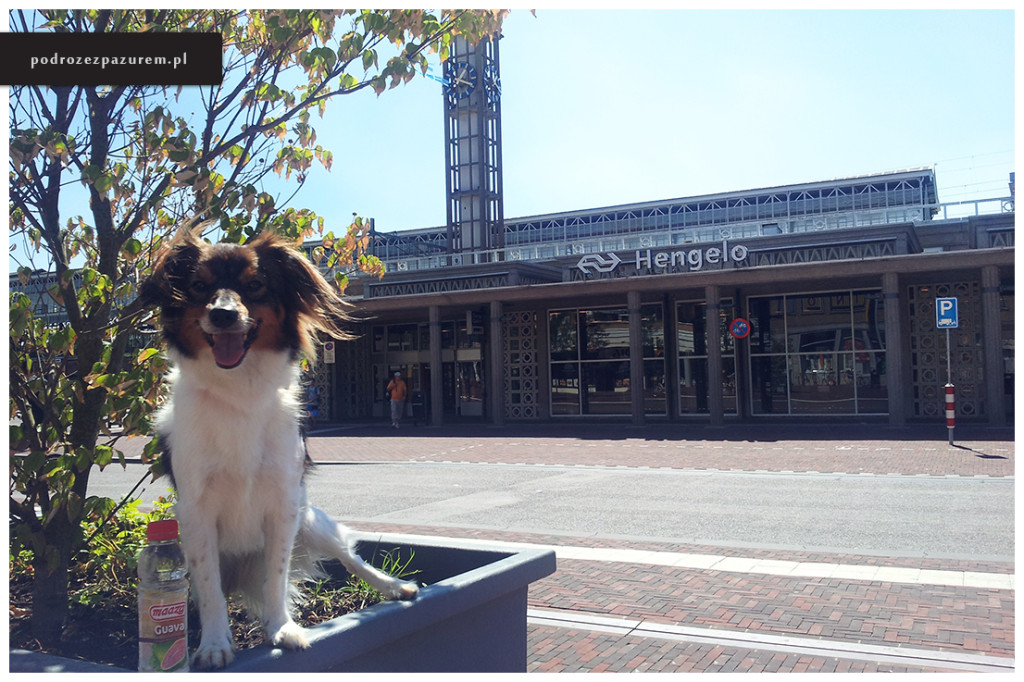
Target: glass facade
(820, 353)
(406, 348)
(691, 344)
(590, 370)
(810, 354)
(1006, 304)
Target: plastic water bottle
(163, 601)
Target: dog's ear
(301, 286)
(175, 262)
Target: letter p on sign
(946, 316)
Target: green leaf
(103, 455)
(329, 57)
(19, 320)
(347, 81)
(61, 339)
(151, 451)
(34, 461)
(103, 183)
(83, 458)
(99, 506)
(146, 354)
(74, 507)
(132, 247)
(268, 92)
(56, 293)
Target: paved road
(891, 515)
(862, 514)
(897, 516)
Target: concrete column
(713, 329)
(992, 338)
(496, 394)
(436, 380)
(895, 361)
(636, 357)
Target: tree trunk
(50, 587)
(63, 534)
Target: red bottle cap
(162, 530)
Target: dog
(236, 320)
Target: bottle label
(163, 628)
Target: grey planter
(470, 617)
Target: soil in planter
(108, 631)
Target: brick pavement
(561, 650)
(924, 616)
(862, 448)
(940, 621)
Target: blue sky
(604, 107)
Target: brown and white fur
(236, 319)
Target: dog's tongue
(228, 349)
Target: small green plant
(392, 564)
(323, 596)
(107, 565)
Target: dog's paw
(213, 655)
(290, 636)
(405, 591)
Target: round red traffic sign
(739, 328)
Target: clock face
(461, 79)
(492, 84)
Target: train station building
(814, 301)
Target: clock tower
(472, 111)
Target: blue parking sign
(946, 316)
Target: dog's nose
(222, 318)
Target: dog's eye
(199, 287)
(254, 287)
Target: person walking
(397, 390)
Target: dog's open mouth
(229, 348)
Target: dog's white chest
(244, 508)
(239, 469)
(241, 501)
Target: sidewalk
(624, 613)
(621, 605)
(853, 449)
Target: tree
(147, 168)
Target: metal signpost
(947, 317)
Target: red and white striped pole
(950, 411)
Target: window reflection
(590, 361)
(692, 348)
(818, 353)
